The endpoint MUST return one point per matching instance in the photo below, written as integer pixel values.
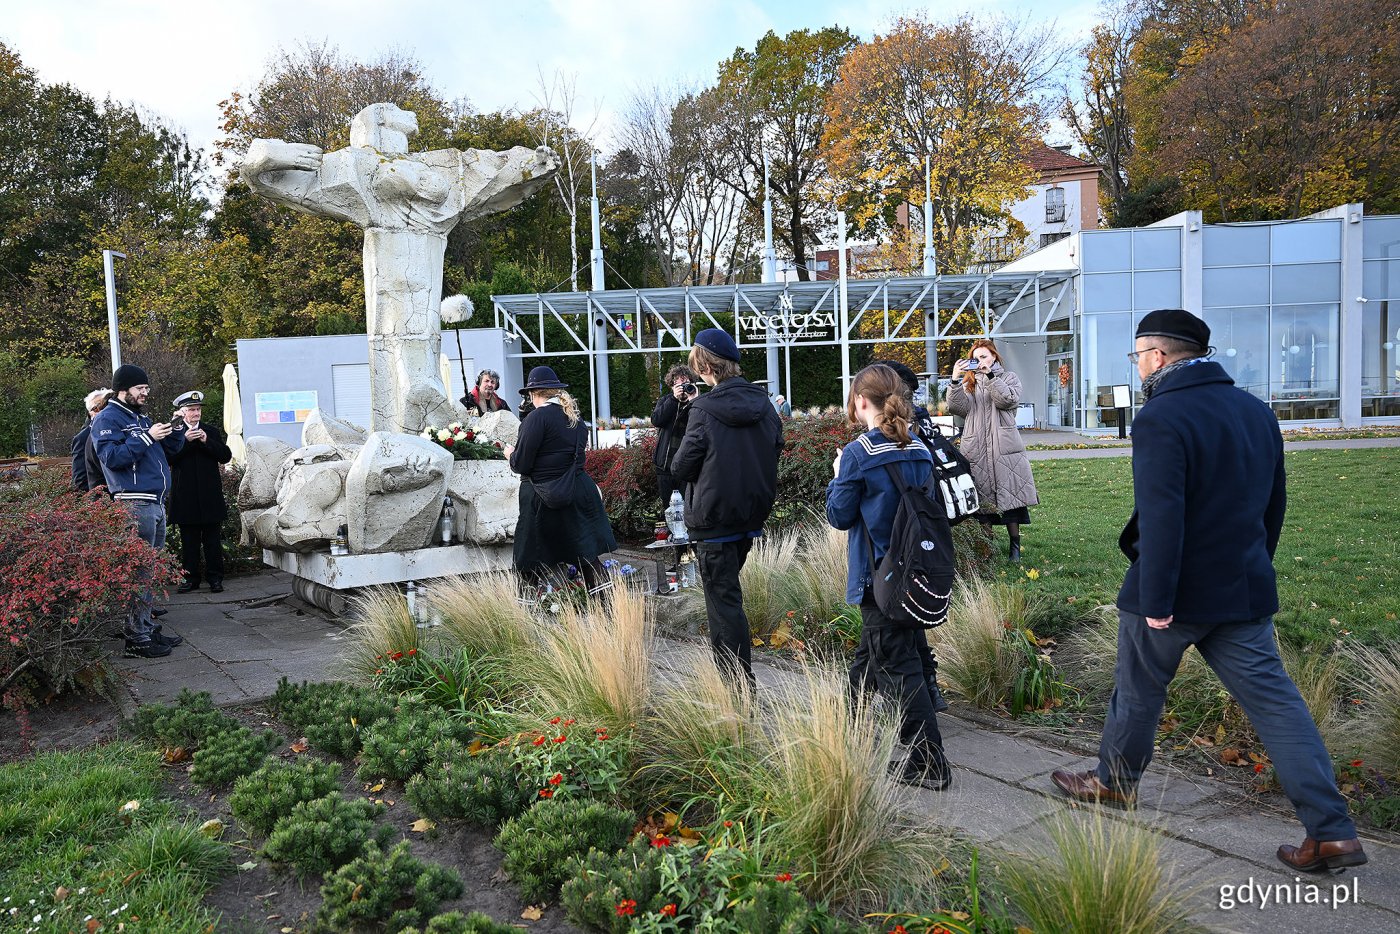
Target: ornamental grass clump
(384, 892)
(171, 851)
(831, 809)
(482, 789)
(399, 746)
(230, 755)
(1097, 873)
(986, 650)
(382, 627)
(1378, 723)
(539, 843)
(483, 615)
(186, 724)
(326, 833)
(260, 799)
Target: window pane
(1236, 246)
(1106, 342)
(1380, 349)
(1307, 242)
(1314, 282)
(1303, 339)
(1157, 249)
(1108, 292)
(1380, 278)
(1248, 285)
(1241, 339)
(1107, 250)
(1380, 237)
(1156, 290)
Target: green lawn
(1338, 561)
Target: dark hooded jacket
(729, 456)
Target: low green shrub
(539, 843)
(228, 756)
(300, 705)
(466, 686)
(186, 724)
(399, 746)
(332, 715)
(326, 833)
(482, 789)
(454, 922)
(260, 799)
(389, 892)
(565, 758)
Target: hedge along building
(1303, 313)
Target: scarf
(1149, 385)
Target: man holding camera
(670, 417)
(197, 494)
(132, 451)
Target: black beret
(1177, 323)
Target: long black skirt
(547, 540)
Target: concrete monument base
(347, 572)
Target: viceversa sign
(787, 322)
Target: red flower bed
(69, 566)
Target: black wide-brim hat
(543, 377)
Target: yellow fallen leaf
(173, 754)
(213, 829)
(781, 637)
(960, 916)
(375, 788)
(130, 807)
(757, 640)
(300, 746)
(422, 824)
(355, 895)
(60, 893)
(476, 746)
(532, 913)
(670, 821)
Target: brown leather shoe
(1085, 786)
(1313, 856)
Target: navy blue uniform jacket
(1208, 486)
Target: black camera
(688, 388)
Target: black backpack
(956, 489)
(913, 582)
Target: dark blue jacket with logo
(863, 497)
(1208, 487)
(133, 462)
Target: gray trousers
(150, 525)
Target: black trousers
(720, 564)
(665, 483)
(202, 537)
(890, 660)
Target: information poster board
(274, 407)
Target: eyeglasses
(1138, 353)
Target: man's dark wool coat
(196, 491)
(1208, 485)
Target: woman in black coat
(196, 501)
(562, 520)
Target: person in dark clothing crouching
(670, 418)
(729, 458)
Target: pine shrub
(388, 892)
(300, 705)
(230, 755)
(186, 724)
(332, 715)
(260, 799)
(400, 746)
(454, 922)
(539, 843)
(481, 789)
(326, 833)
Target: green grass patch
(71, 842)
(1337, 560)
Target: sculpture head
(384, 128)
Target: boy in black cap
(1208, 496)
(729, 458)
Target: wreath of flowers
(464, 443)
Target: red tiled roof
(1044, 159)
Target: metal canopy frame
(676, 314)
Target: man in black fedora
(197, 493)
(729, 460)
(1208, 495)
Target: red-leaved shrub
(70, 564)
(626, 477)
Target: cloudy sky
(179, 59)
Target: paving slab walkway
(239, 643)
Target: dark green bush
(454, 922)
(230, 755)
(332, 715)
(384, 892)
(187, 723)
(325, 834)
(599, 881)
(539, 843)
(260, 799)
(399, 746)
(299, 705)
(480, 789)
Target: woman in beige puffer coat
(987, 396)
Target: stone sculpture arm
(507, 178)
(291, 175)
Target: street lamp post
(113, 335)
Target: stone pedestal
(341, 573)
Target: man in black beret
(728, 459)
(1208, 492)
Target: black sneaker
(166, 638)
(940, 703)
(216, 588)
(151, 649)
(931, 776)
(158, 612)
(186, 587)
